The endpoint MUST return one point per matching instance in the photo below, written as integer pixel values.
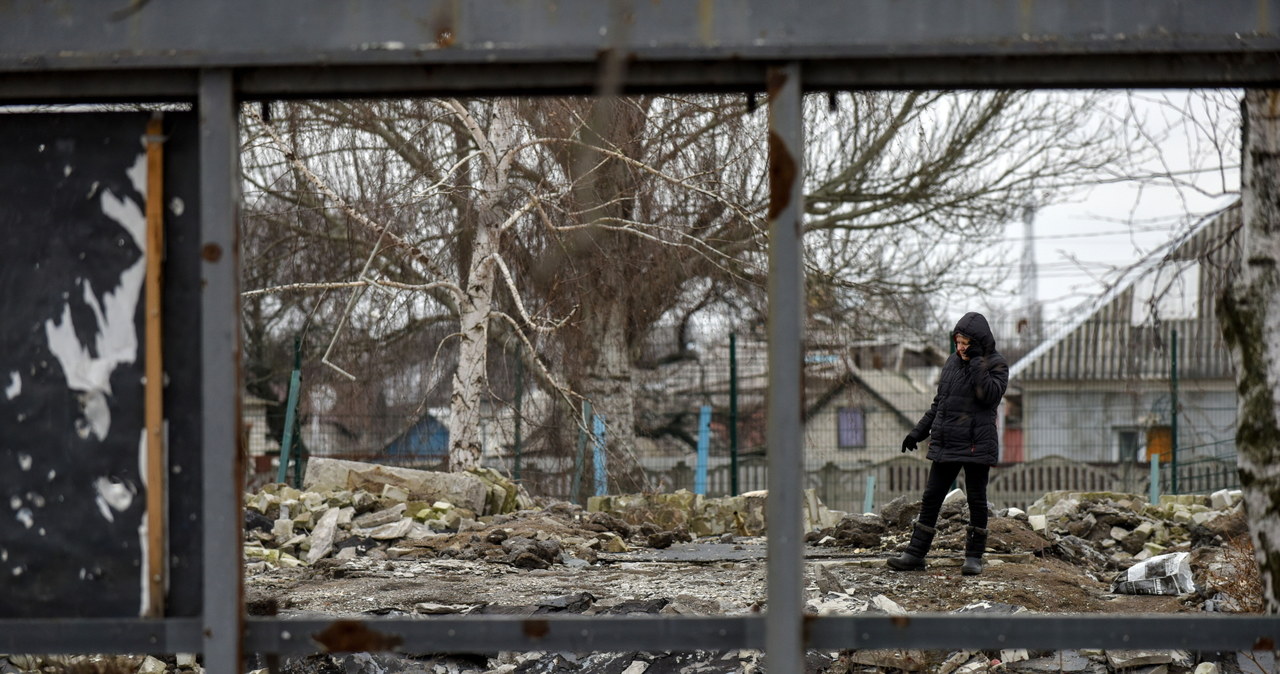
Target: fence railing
(846, 489)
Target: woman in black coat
(962, 432)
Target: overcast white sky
(1080, 244)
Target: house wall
(884, 432)
(1081, 422)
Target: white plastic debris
(1163, 574)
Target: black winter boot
(975, 545)
(913, 557)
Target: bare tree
(656, 215)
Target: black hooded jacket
(961, 422)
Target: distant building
(860, 399)
(1100, 388)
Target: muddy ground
(697, 578)
(562, 559)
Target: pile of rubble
(349, 509)
(352, 510)
(372, 540)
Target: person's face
(962, 346)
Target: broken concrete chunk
(907, 661)
(370, 520)
(991, 607)
(1225, 499)
(322, 536)
(1165, 574)
(261, 502)
(954, 662)
(1063, 661)
(151, 665)
(303, 519)
(1009, 655)
(826, 581)
(978, 664)
(393, 492)
(1122, 660)
(462, 489)
(282, 530)
(611, 542)
(886, 605)
(346, 554)
(428, 608)
(389, 531)
(419, 531)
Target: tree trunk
(470, 377)
(470, 380)
(608, 384)
(1249, 312)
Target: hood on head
(974, 326)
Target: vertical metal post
(156, 445)
(515, 473)
(1173, 413)
(291, 415)
(869, 498)
(221, 462)
(733, 414)
(581, 459)
(598, 457)
(784, 649)
(1153, 491)
(704, 450)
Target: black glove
(974, 351)
(911, 443)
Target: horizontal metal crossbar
(91, 50)
(1047, 632)
(490, 634)
(99, 635)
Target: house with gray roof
(1143, 372)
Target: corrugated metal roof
(1106, 343)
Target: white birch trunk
(470, 380)
(1249, 312)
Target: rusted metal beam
(85, 49)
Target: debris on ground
(376, 541)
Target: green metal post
(519, 408)
(733, 414)
(290, 413)
(1173, 415)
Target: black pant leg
(941, 475)
(975, 486)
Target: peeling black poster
(73, 533)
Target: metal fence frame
(218, 54)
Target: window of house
(851, 427)
(1128, 447)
